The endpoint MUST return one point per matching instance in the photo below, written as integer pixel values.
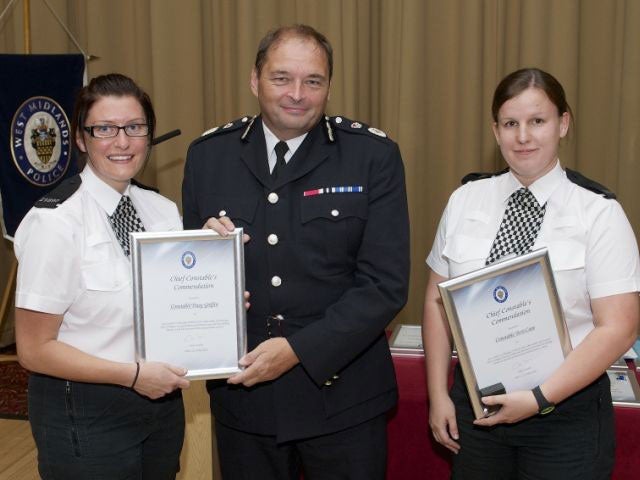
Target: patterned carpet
(13, 388)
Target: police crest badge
(40, 141)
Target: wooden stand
(196, 461)
(4, 306)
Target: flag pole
(11, 277)
(26, 22)
(5, 304)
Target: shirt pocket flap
(105, 276)
(334, 207)
(97, 238)
(161, 226)
(462, 248)
(566, 255)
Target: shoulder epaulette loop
(328, 130)
(143, 186)
(228, 127)
(62, 192)
(351, 126)
(248, 129)
(589, 184)
(472, 177)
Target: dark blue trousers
(574, 442)
(357, 453)
(94, 431)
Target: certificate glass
(189, 300)
(507, 323)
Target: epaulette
(472, 177)
(351, 126)
(589, 184)
(143, 186)
(246, 122)
(59, 194)
(233, 126)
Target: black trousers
(357, 453)
(91, 431)
(574, 442)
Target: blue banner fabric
(36, 103)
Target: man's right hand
(223, 226)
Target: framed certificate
(406, 340)
(625, 390)
(188, 290)
(507, 324)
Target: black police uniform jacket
(337, 272)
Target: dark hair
(275, 36)
(112, 84)
(517, 82)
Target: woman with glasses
(95, 412)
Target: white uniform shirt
(592, 248)
(71, 264)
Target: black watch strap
(544, 405)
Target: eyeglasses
(110, 131)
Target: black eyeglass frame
(89, 129)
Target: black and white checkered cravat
(520, 226)
(124, 220)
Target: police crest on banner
(40, 141)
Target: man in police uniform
(327, 265)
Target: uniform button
(272, 239)
(335, 213)
(222, 213)
(276, 281)
(336, 377)
(338, 119)
(328, 383)
(273, 197)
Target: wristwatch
(544, 405)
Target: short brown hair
(112, 84)
(517, 82)
(273, 37)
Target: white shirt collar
(105, 195)
(541, 188)
(271, 140)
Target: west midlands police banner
(36, 104)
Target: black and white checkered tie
(124, 220)
(520, 226)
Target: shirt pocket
(103, 267)
(332, 228)
(568, 255)
(466, 253)
(106, 276)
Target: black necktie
(520, 226)
(124, 220)
(281, 149)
